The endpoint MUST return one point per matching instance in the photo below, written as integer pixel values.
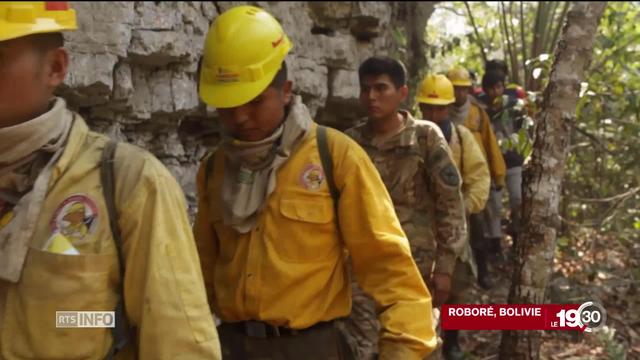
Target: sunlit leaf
(536, 73)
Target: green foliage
(400, 50)
(519, 141)
(605, 145)
(614, 350)
(513, 31)
(602, 177)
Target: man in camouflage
(417, 167)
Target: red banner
(56, 5)
(514, 317)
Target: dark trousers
(321, 342)
(476, 232)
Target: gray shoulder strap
(327, 163)
(209, 167)
(122, 332)
(460, 140)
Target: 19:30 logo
(590, 316)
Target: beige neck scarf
(458, 114)
(251, 167)
(28, 152)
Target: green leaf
(563, 241)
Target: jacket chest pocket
(55, 282)
(308, 232)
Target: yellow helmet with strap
(459, 76)
(436, 90)
(18, 18)
(243, 51)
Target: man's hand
(441, 285)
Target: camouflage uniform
(420, 174)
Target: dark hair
(47, 41)
(496, 65)
(280, 78)
(490, 79)
(382, 65)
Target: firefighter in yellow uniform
(435, 99)
(467, 111)
(272, 229)
(145, 267)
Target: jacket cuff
(393, 351)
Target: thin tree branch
(452, 10)
(594, 139)
(524, 46)
(548, 25)
(559, 25)
(475, 29)
(619, 197)
(505, 31)
(536, 30)
(515, 60)
(536, 43)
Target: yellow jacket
(165, 295)
(290, 271)
(473, 168)
(479, 124)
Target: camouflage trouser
(361, 328)
(462, 280)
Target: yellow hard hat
(459, 76)
(436, 90)
(243, 51)
(76, 207)
(19, 18)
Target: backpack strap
(460, 140)
(122, 332)
(209, 166)
(327, 164)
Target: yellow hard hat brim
(461, 83)
(432, 101)
(10, 31)
(232, 94)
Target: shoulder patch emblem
(312, 177)
(449, 175)
(76, 218)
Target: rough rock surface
(133, 66)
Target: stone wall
(133, 66)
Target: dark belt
(261, 329)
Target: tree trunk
(542, 180)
